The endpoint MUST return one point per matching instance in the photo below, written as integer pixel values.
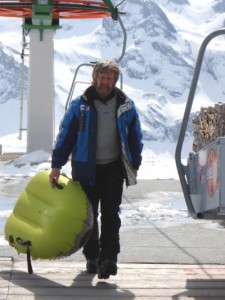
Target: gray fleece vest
(107, 149)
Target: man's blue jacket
(77, 136)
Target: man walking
(101, 130)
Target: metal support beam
(40, 115)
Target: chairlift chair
(202, 178)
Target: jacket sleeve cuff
(136, 167)
(56, 165)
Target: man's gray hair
(105, 67)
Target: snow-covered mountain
(163, 39)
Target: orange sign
(211, 172)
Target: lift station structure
(41, 19)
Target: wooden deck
(59, 280)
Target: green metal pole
(112, 9)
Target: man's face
(105, 83)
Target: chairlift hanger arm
(182, 172)
(124, 39)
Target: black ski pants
(105, 197)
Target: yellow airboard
(57, 222)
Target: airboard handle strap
(56, 184)
(27, 244)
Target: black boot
(107, 268)
(92, 266)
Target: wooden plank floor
(60, 279)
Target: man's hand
(54, 176)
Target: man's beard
(103, 91)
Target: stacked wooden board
(208, 125)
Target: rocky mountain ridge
(163, 38)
